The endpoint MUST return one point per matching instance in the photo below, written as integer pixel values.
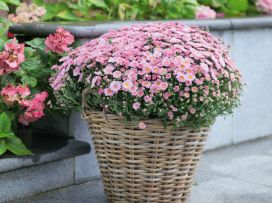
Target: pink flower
(117, 74)
(147, 69)
(96, 80)
(166, 95)
(190, 77)
(108, 70)
(127, 85)
(184, 117)
(162, 71)
(108, 92)
(147, 99)
(170, 115)
(166, 61)
(12, 57)
(220, 15)
(142, 125)
(140, 93)
(136, 105)
(11, 94)
(34, 108)
(163, 86)
(176, 88)
(192, 110)
(264, 6)
(168, 76)
(59, 41)
(23, 91)
(194, 89)
(146, 84)
(115, 86)
(186, 95)
(181, 77)
(205, 12)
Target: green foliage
(4, 26)
(119, 10)
(8, 141)
(4, 6)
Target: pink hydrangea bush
(205, 12)
(169, 71)
(59, 41)
(264, 6)
(11, 94)
(33, 108)
(19, 95)
(11, 57)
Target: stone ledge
(45, 148)
(94, 29)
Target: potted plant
(151, 92)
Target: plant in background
(27, 13)
(179, 74)
(118, 9)
(205, 12)
(264, 6)
(24, 73)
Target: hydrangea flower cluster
(180, 74)
(264, 6)
(27, 13)
(205, 12)
(11, 94)
(59, 41)
(11, 57)
(33, 108)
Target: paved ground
(238, 174)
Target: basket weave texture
(153, 165)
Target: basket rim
(107, 116)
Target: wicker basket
(152, 165)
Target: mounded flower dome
(168, 71)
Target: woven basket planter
(155, 165)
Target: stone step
(51, 166)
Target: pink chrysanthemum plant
(180, 74)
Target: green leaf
(38, 2)
(13, 2)
(3, 147)
(6, 134)
(67, 15)
(16, 146)
(241, 5)
(31, 64)
(99, 3)
(2, 44)
(3, 6)
(28, 80)
(37, 43)
(5, 124)
(53, 9)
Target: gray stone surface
(86, 166)
(29, 181)
(237, 174)
(252, 52)
(45, 149)
(96, 28)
